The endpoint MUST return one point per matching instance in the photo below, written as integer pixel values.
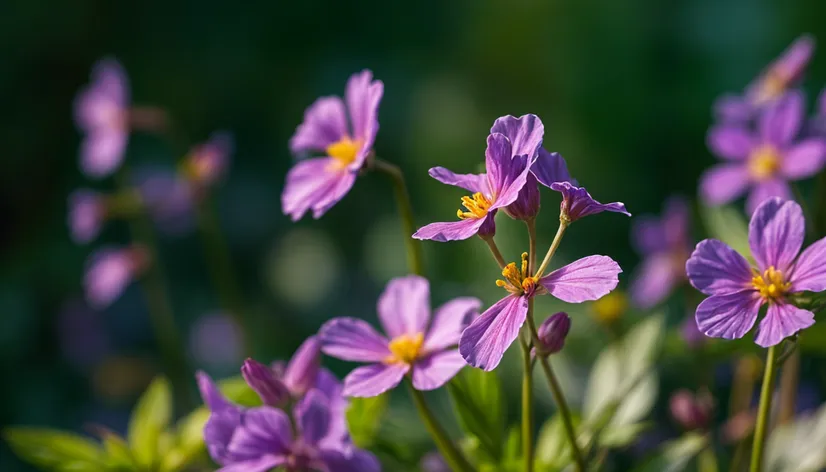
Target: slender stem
(707, 461)
(531, 224)
(494, 249)
(565, 412)
(414, 249)
(788, 385)
(454, 458)
(527, 404)
(763, 411)
(563, 225)
(811, 230)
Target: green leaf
(728, 225)
(118, 455)
(478, 402)
(675, 455)
(552, 447)
(149, 420)
(237, 391)
(50, 449)
(364, 418)
(190, 430)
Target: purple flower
(779, 77)
(691, 411)
(505, 176)
(736, 291)
(424, 350)
(763, 160)
(665, 245)
(207, 163)
(319, 183)
(87, 211)
(279, 383)
(577, 203)
(552, 333)
(261, 438)
(487, 338)
(109, 271)
(102, 114)
(168, 198)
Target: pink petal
(809, 272)
(780, 122)
(730, 142)
(586, 279)
(728, 316)
(315, 184)
(351, 339)
(470, 182)
(804, 159)
(404, 306)
(449, 322)
(487, 338)
(374, 379)
(723, 183)
(324, 124)
(654, 280)
(506, 175)
(776, 234)
(102, 152)
(765, 190)
(714, 268)
(436, 369)
(782, 320)
(550, 167)
(313, 417)
(363, 95)
(525, 133)
(451, 231)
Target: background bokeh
(624, 89)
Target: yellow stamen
(773, 85)
(763, 162)
(516, 280)
(405, 349)
(477, 206)
(771, 284)
(344, 151)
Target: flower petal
(211, 396)
(676, 222)
(374, 379)
(471, 182)
(218, 432)
(449, 322)
(728, 316)
(714, 268)
(303, 368)
(363, 95)
(723, 183)
(452, 230)
(805, 159)
(781, 321)
(583, 280)
(809, 272)
(324, 124)
(485, 341)
(316, 184)
(776, 234)
(765, 190)
(654, 280)
(264, 430)
(434, 370)
(356, 461)
(261, 464)
(351, 339)
(550, 167)
(404, 306)
(525, 133)
(102, 152)
(730, 142)
(578, 203)
(648, 235)
(506, 175)
(733, 109)
(313, 417)
(779, 123)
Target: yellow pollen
(516, 279)
(771, 284)
(344, 151)
(477, 206)
(773, 85)
(405, 349)
(763, 162)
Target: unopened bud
(552, 333)
(262, 379)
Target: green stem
(414, 249)
(531, 224)
(563, 225)
(565, 412)
(763, 411)
(527, 404)
(707, 462)
(454, 458)
(494, 249)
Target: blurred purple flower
(278, 383)
(690, 333)
(665, 245)
(426, 353)
(434, 462)
(319, 183)
(168, 198)
(110, 270)
(87, 210)
(779, 77)
(487, 338)
(215, 340)
(691, 411)
(737, 291)
(552, 333)
(763, 160)
(83, 338)
(207, 163)
(578, 203)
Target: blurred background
(624, 88)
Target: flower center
(477, 206)
(763, 162)
(405, 348)
(771, 284)
(516, 280)
(344, 151)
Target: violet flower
(87, 211)
(261, 438)
(763, 160)
(344, 136)
(505, 176)
(487, 338)
(110, 270)
(207, 162)
(778, 78)
(168, 198)
(737, 291)
(279, 383)
(423, 350)
(552, 333)
(578, 203)
(102, 113)
(665, 245)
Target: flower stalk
(761, 427)
(563, 225)
(414, 249)
(527, 401)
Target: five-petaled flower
(344, 135)
(423, 350)
(737, 291)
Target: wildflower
(87, 211)
(207, 163)
(423, 350)
(484, 342)
(578, 203)
(737, 291)
(497, 188)
(319, 183)
(665, 246)
(610, 308)
(552, 333)
(110, 270)
(692, 411)
(168, 198)
(763, 160)
(778, 78)
(279, 383)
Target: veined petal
(485, 341)
(211, 396)
(732, 142)
(776, 234)
(728, 316)
(303, 368)
(470, 182)
(714, 268)
(578, 203)
(315, 184)
(374, 379)
(782, 320)
(767, 189)
(218, 432)
(805, 159)
(506, 174)
(589, 278)
(264, 430)
(654, 280)
(452, 230)
(363, 95)
(550, 167)
(313, 417)
(525, 133)
(449, 322)
(780, 122)
(434, 370)
(809, 272)
(404, 306)
(723, 183)
(351, 339)
(324, 123)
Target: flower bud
(526, 205)
(263, 380)
(552, 333)
(691, 411)
(300, 374)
